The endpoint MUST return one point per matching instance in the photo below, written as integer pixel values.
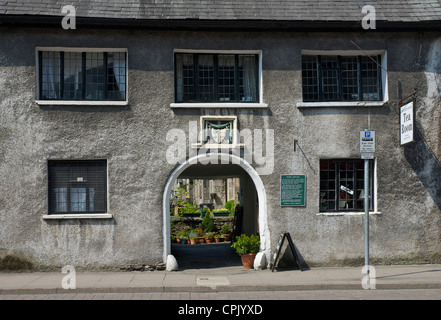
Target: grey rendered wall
(132, 139)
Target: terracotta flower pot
(192, 241)
(248, 260)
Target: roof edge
(219, 25)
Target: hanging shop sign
(292, 190)
(406, 123)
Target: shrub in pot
(193, 237)
(209, 237)
(247, 247)
(226, 232)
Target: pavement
(224, 279)
(217, 268)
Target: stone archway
(228, 159)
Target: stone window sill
(219, 105)
(80, 103)
(338, 104)
(78, 216)
(350, 213)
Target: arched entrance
(224, 159)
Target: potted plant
(199, 232)
(207, 223)
(218, 238)
(179, 236)
(226, 232)
(193, 238)
(221, 212)
(184, 239)
(209, 237)
(247, 247)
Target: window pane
(116, 76)
(206, 78)
(50, 75)
(184, 77)
(349, 77)
(78, 199)
(248, 78)
(330, 78)
(310, 78)
(73, 76)
(370, 81)
(95, 76)
(226, 78)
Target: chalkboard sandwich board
(279, 248)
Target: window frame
(382, 78)
(72, 214)
(221, 104)
(84, 50)
(336, 189)
(202, 144)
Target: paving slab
(224, 280)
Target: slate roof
(230, 10)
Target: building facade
(97, 123)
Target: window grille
(216, 77)
(342, 185)
(65, 75)
(341, 78)
(77, 186)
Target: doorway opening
(231, 178)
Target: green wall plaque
(293, 190)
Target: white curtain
(50, 73)
(119, 70)
(61, 199)
(77, 199)
(182, 61)
(249, 78)
(91, 199)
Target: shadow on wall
(426, 165)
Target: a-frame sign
(279, 248)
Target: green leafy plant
(189, 207)
(209, 235)
(246, 244)
(207, 223)
(229, 205)
(193, 235)
(181, 234)
(225, 229)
